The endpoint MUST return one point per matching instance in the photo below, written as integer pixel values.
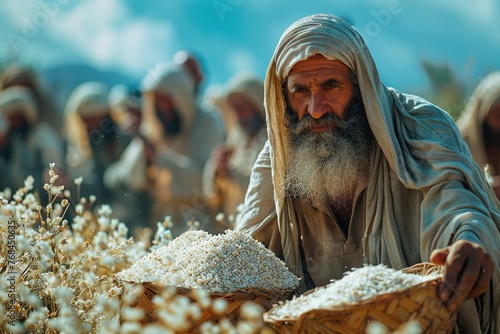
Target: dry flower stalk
(65, 258)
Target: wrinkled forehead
(325, 35)
(315, 63)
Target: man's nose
(317, 105)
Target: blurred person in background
(167, 159)
(4, 154)
(125, 103)
(92, 142)
(355, 172)
(30, 145)
(479, 125)
(24, 76)
(192, 65)
(131, 205)
(227, 173)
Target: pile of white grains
(357, 285)
(216, 263)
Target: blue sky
(231, 35)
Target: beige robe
(226, 193)
(424, 191)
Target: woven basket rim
(366, 303)
(185, 291)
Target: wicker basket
(266, 299)
(418, 303)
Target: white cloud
(16, 10)
(111, 37)
(480, 12)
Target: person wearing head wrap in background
(131, 205)
(176, 137)
(125, 103)
(479, 124)
(91, 136)
(227, 173)
(191, 64)
(30, 145)
(17, 75)
(4, 153)
(356, 173)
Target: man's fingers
(467, 272)
(454, 264)
(438, 256)
(483, 282)
(466, 279)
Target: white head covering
(171, 80)
(246, 83)
(18, 99)
(250, 85)
(470, 122)
(88, 99)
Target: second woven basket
(418, 303)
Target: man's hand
(221, 155)
(467, 272)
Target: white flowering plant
(58, 266)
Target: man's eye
(330, 85)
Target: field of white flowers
(58, 266)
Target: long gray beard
(328, 166)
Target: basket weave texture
(266, 299)
(418, 303)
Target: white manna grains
(356, 285)
(217, 263)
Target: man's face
(93, 122)
(318, 86)
(493, 120)
(330, 138)
(167, 114)
(246, 113)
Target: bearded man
(358, 173)
(168, 156)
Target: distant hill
(63, 79)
